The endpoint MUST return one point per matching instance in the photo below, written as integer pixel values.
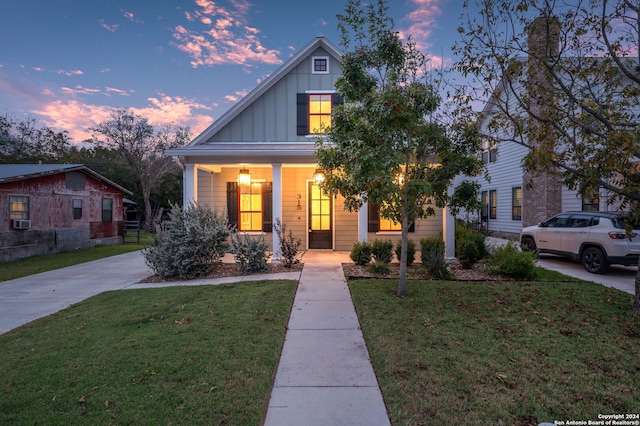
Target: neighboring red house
(49, 208)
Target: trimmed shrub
(195, 241)
(379, 268)
(510, 261)
(432, 255)
(361, 253)
(250, 253)
(470, 245)
(288, 244)
(411, 251)
(382, 250)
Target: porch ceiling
(250, 152)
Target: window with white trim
(320, 65)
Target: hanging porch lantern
(244, 177)
(318, 176)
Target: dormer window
(320, 65)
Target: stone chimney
(541, 189)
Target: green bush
(195, 241)
(382, 250)
(379, 268)
(361, 253)
(509, 261)
(288, 244)
(250, 253)
(432, 255)
(411, 251)
(470, 245)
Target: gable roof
(259, 90)
(17, 172)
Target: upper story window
(314, 110)
(18, 207)
(319, 113)
(489, 151)
(320, 65)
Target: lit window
(107, 210)
(516, 203)
(493, 204)
(18, 207)
(250, 207)
(591, 202)
(320, 65)
(77, 208)
(389, 225)
(319, 113)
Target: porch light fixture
(244, 177)
(318, 176)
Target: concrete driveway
(620, 277)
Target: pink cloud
(70, 73)
(422, 21)
(77, 117)
(226, 37)
(112, 28)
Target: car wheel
(528, 244)
(593, 261)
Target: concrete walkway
(325, 376)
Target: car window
(620, 222)
(560, 221)
(580, 221)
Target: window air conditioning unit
(21, 224)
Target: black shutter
(412, 227)
(232, 204)
(267, 207)
(373, 220)
(303, 114)
(336, 99)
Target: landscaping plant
(250, 253)
(510, 261)
(288, 244)
(361, 253)
(382, 250)
(195, 241)
(433, 258)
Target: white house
(257, 162)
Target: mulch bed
(351, 272)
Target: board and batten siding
(273, 116)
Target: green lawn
(36, 264)
(169, 356)
(501, 353)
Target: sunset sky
(69, 63)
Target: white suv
(597, 239)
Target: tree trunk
(402, 281)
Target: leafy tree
(385, 146)
(142, 148)
(571, 94)
(24, 142)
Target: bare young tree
(142, 148)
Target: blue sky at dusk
(69, 63)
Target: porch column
(276, 170)
(363, 223)
(449, 232)
(190, 178)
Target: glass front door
(320, 218)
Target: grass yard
(169, 356)
(36, 264)
(501, 353)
